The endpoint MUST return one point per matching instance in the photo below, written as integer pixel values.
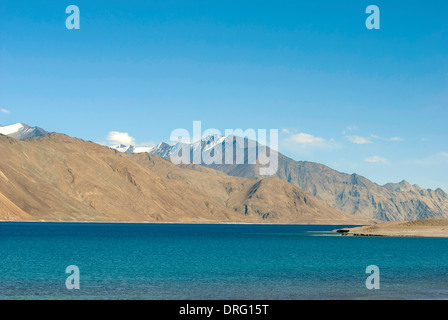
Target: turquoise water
(175, 261)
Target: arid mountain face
(59, 178)
(353, 194)
(270, 199)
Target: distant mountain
(162, 150)
(165, 150)
(124, 148)
(59, 178)
(22, 131)
(349, 193)
(252, 198)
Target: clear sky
(374, 102)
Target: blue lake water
(178, 261)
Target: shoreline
(425, 228)
(185, 223)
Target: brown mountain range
(59, 178)
(351, 193)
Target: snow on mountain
(165, 150)
(162, 150)
(123, 148)
(143, 149)
(22, 131)
(206, 144)
(210, 142)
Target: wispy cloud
(387, 139)
(305, 138)
(306, 143)
(395, 139)
(366, 140)
(376, 159)
(5, 111)
(358, 139)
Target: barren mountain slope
(271, 199)
(59, 178)
(352, 194)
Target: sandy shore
(418, 228)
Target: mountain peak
(22, 131)
(403, 186)
(213, 137)
(162, 145)
(405, 183)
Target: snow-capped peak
(14, 128)
(165, 150)
(211, 141)
(123, 148)
(22, 131)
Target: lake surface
(178, 261)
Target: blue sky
(374, 102)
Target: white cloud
(305, 138)
(376, 159)
(305, 144)
(443, 154)
(5, 111)
(358, 140)
(286, 130)
(395, 139)
(116, 137)
(387, 139)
